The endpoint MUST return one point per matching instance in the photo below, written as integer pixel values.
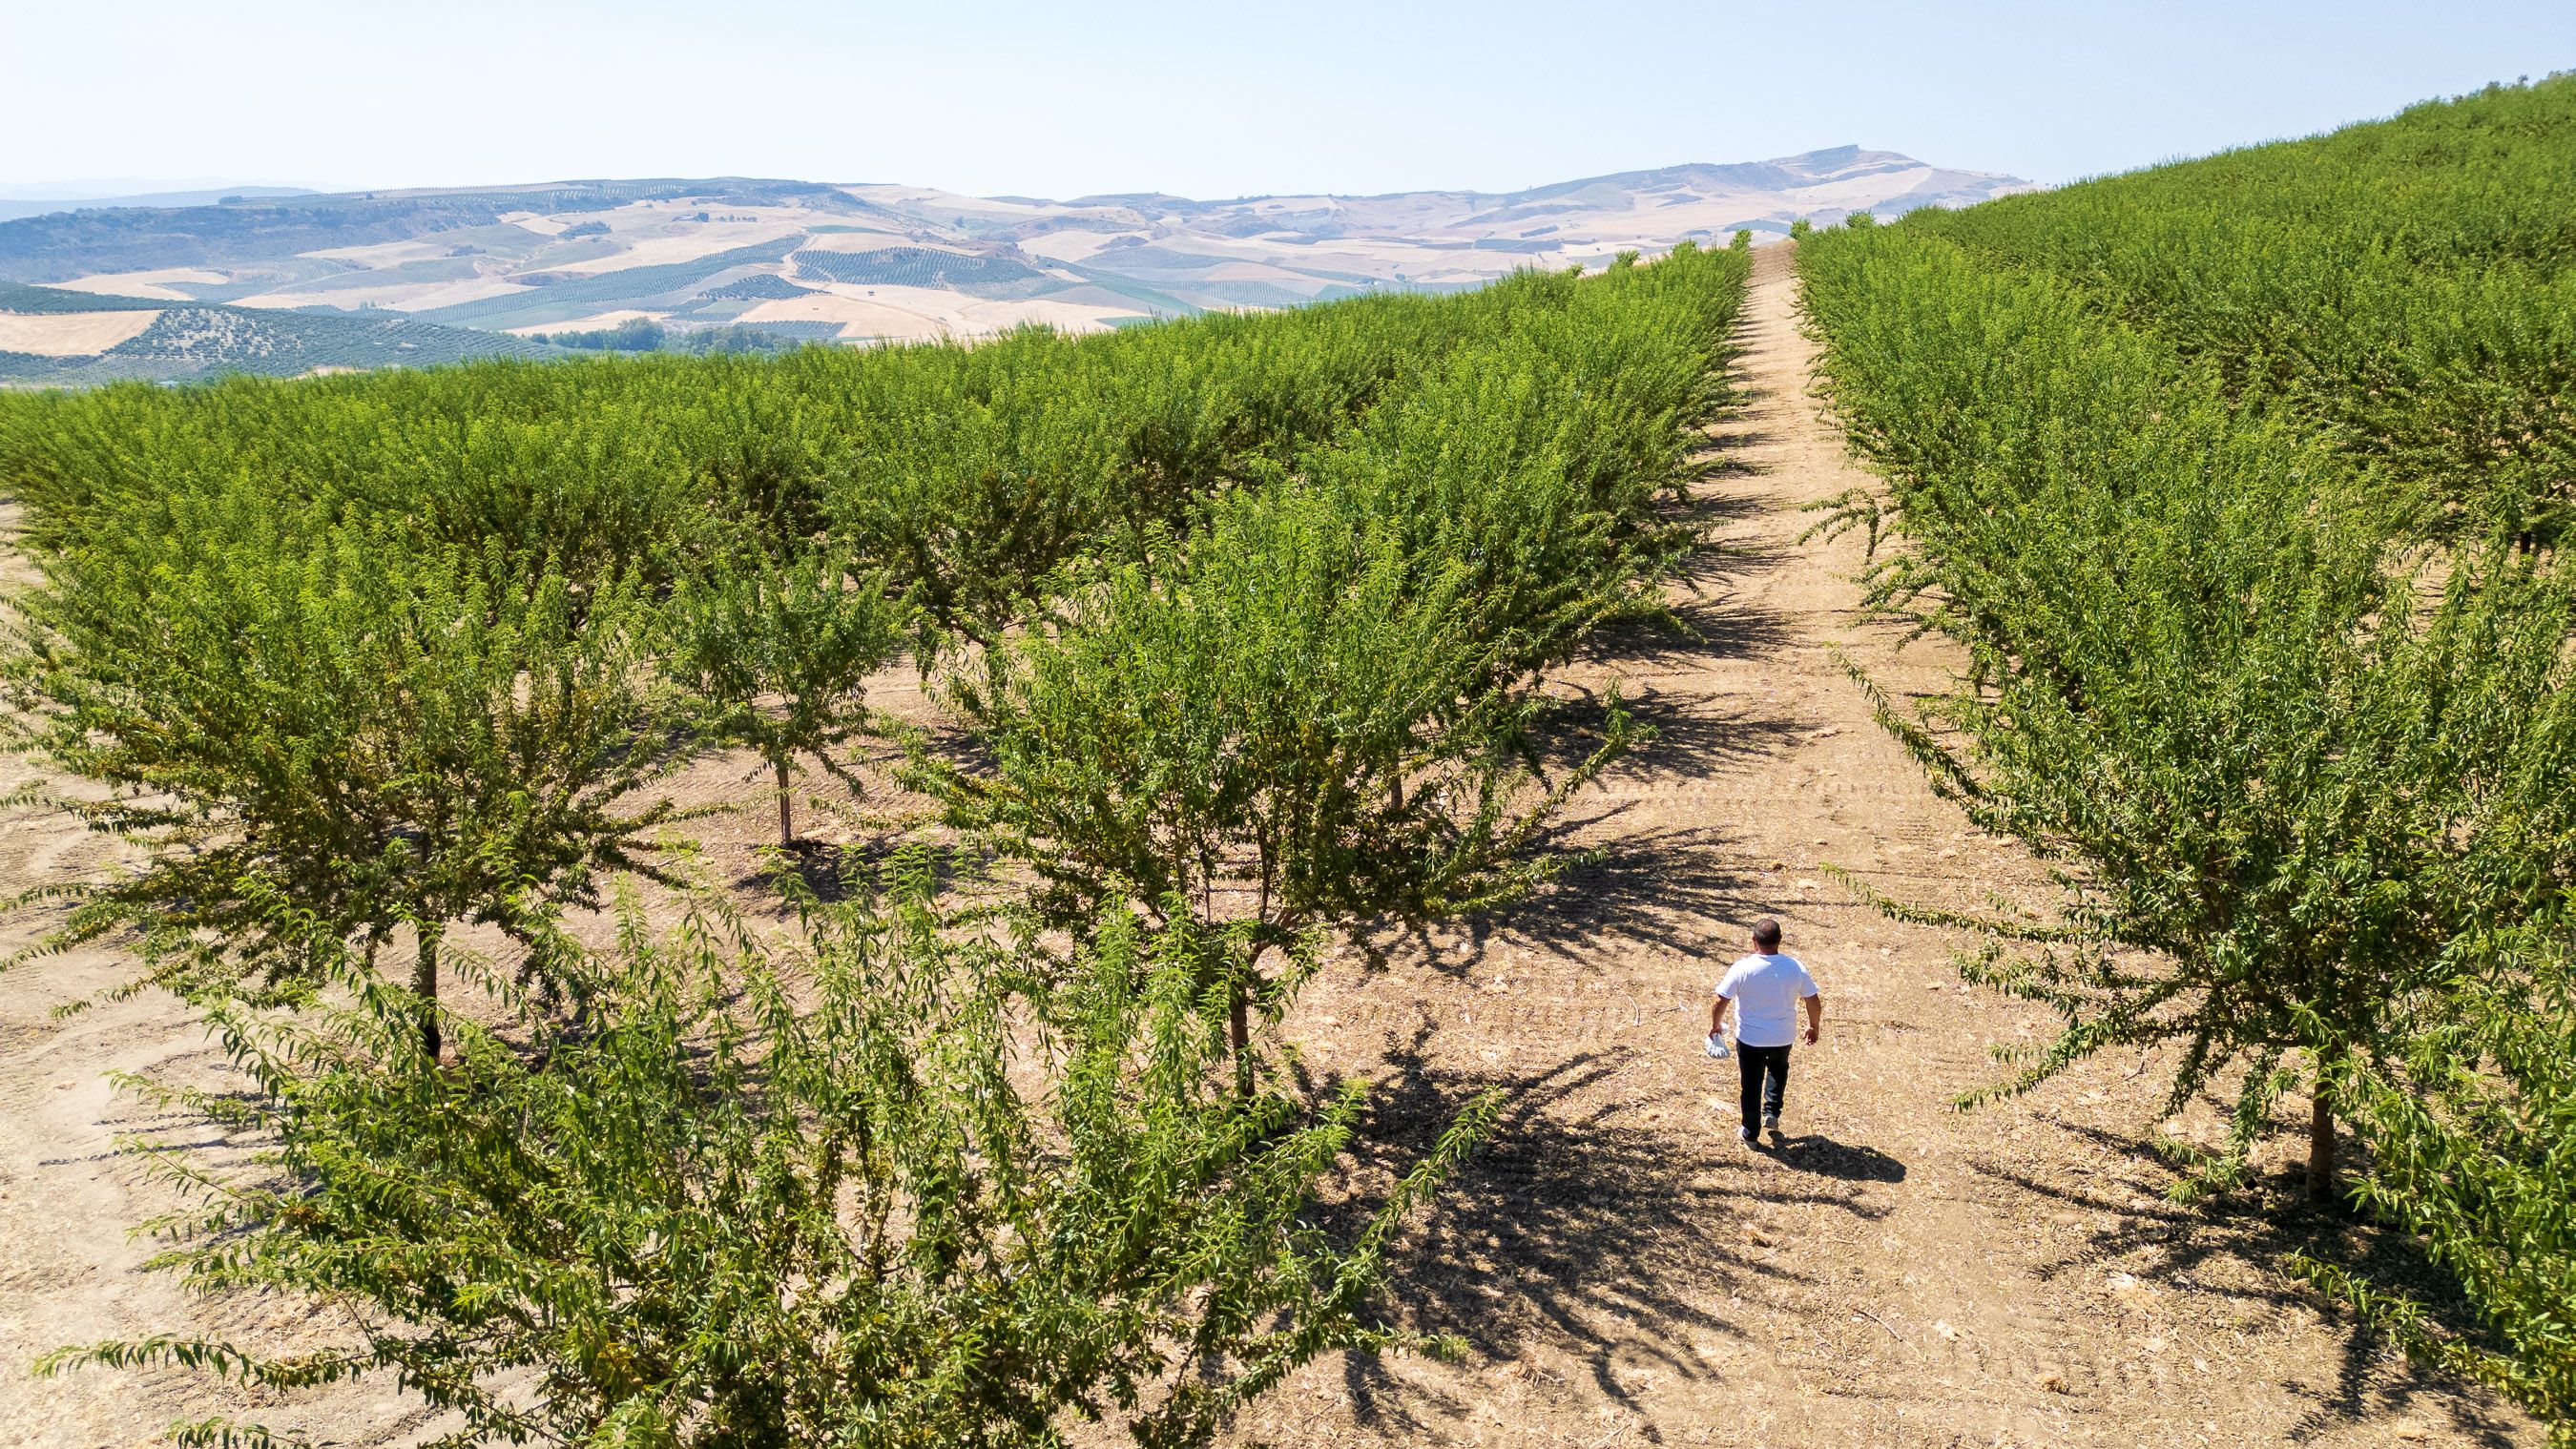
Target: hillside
(14, 207)
(864, 263)
(50, 339)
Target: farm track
(1902, 1274)
(1622, 1271)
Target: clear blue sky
(1204, 99)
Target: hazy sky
(1207, 99)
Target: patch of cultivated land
(69, 334)
(143, 284)
(1622, 1271)
(406, 297)
(600, 322)
(923, 314)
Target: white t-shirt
(1766, 990)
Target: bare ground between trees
(1622, 1270)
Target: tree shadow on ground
(1578, 1223)
(2233, 1245)
(1701, 627)
(1707, 620)
(1722, 460)
(835, 871)
(827, 871)
(1688, 889)
(1694, 737)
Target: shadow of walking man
(1848, 1162)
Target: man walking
(1766, 988)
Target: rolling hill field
(53, 338)
(858, 263)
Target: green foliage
(2473, 1123)
(970, 473)
(1318, 706)
(747, 338)
(307, 723)
(2285, 699)
(759, 286)
(1743, 239)
(642, 334)
(2404, 286)
(1801, 227)
(1250, 603)
(967, 478)
(989, 468)
(918, 1185)
(635, 334)
(2195, 675)
(15, 297)
(797, 629)
(1278, 707)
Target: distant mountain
(13, 207)
(1768, 195)
(865, 262)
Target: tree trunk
(1239, 1030)
(1238, 1012)
(424, 984)
(2321, 1145)
(786, 824)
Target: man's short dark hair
(1766, 934)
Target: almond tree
(915, 1184)
(1292, 724)
(305, 726)
(2282, 772)
(2470, 1121)
(799, 630)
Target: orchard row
(2242, 483)
(1239, 620)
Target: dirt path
(1901, 1274)
(1622, 1271)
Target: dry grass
(595, 323)
(69, 334)
(153, 284)
(922, 313)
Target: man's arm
(1815, 1015)
(1717, 1013)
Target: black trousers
(1766, 1081)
